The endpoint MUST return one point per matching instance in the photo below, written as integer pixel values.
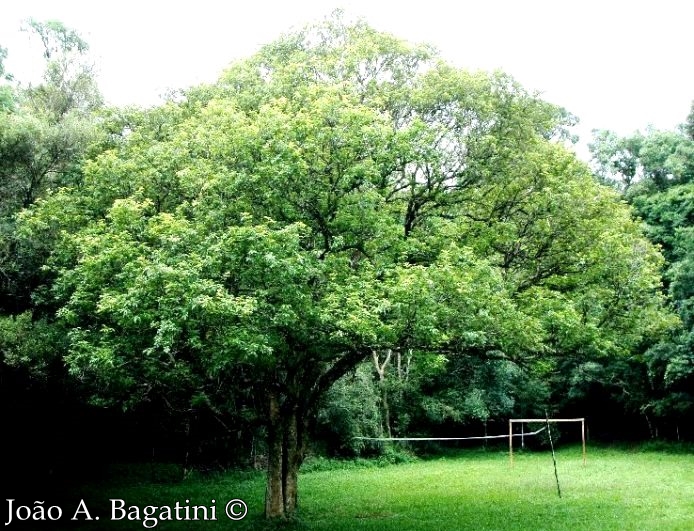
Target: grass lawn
(618, 489)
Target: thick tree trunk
(291, 463)
(286, 427)
(274, 493)
(292, 402)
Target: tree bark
(381, 371)
(274, 494)
(292, 457)
(286, 427)
(290, 411)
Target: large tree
(319, 205)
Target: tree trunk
(291, 405)
(381, 371)
(274, 496)
(286, 427)
(386, 409)
(291, 463)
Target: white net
(480, 437)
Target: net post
(522, 436)
(554, 458)
(510, 441)
(583, 439)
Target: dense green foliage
(44, 131)
(656, 173)
(344, 236)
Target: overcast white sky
(615, 64)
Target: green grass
(618, 489)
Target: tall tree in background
(660, 177)
(69, 86)
(44, 131)
(689, 124)
(6, 92)
(341, 193)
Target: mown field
(618, 489)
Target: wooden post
(554, 457)
(583, 439)
(546, 421)
(522, 436)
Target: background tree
(43, 135)
(44, 132)
(663, 199)
(689, 124)
(6, 93)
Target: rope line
(449, 438)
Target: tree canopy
(339, 194)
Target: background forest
(345, 236)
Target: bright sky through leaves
(615, 64)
